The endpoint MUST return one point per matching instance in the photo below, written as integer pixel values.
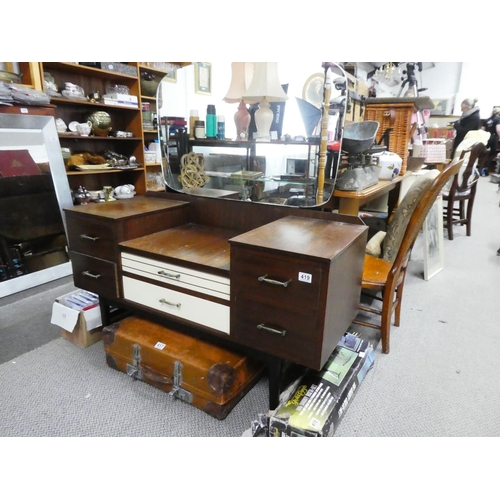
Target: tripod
(411, 80)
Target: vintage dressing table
(281, 282)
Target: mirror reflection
(260, 132)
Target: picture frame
(171, 77)
(433, 240)
(203, 78)
(442, 106)
(312, 92)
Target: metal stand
(411, 81)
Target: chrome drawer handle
(87, 237)
(273, 282)
(163, 301)
(95, 276)
(167, 275)
(272, 330)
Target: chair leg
(470, 204)
(385, 320)
(449, 219)
(462, 211)
(399, 298)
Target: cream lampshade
(241, 76)
(264, 89)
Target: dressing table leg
(275, 372)
(105, 311)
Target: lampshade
(265, 84)
(241, 76)
(264, 89)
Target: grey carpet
(25, 318)
(438, 380)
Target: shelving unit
(92, 79)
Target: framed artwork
(442, 107)
(433, 240)
(171, 77)
(203, 78)
(313, 89)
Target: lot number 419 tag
(305, 277)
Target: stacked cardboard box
(321, 398)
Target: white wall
(458, 81)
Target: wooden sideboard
(281, 282)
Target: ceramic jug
(84, 129)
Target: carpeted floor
(438, 380)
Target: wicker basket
(398, 117)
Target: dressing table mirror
(295, 165)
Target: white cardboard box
(81, 327)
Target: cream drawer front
(194, 309)
(184, 277)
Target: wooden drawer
(293, 336)
(171, 274)
(95, 275)
(188, 307)
(285, 282)
(92, 237)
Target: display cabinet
(94, 80)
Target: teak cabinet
(279, 281)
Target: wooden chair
(458, 202)
(386, 274)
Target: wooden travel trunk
(204, 375)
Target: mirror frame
(46, 126)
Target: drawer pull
(87, 237)
(163, 301)
(272, 330)
(274, 282)
(168, 275)
(90, 275)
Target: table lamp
(264, 89)
(241, 76)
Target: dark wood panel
(244, 216)
(93, 237)
(302, 236)
(301, 342)
(198, 246)
(249, 266)
(95, 275)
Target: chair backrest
(419, 214)
(470, 174)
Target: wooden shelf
(79, 69)
(101, 172)
(96, 138)
(64, 101)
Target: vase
(101, 123)
(242, 121)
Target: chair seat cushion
(375, 272)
